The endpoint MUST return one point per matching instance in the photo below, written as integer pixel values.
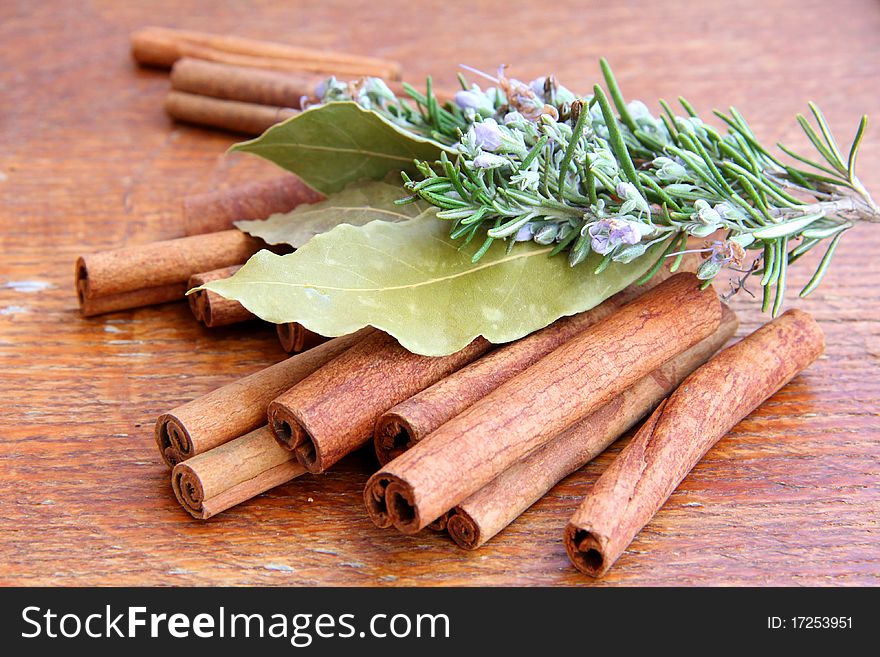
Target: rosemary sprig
(535, 162)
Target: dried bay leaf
(358, 204)
(412, 281)
(332, 145)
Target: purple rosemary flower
(488, 135)
(468, 100)
(607, 234)
(474, 100)
(524, 234)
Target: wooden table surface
(88, 161)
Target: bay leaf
(412, 281)
(332, 145)
(358, 204)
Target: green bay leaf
(412, 281)
(332, 145)
(358, 204)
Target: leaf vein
(433, 281)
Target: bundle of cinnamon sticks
(471, 456)
(469, 441)
(243, 85)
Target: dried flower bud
(645, 120)
(729, 212)
(706, 219)
(528, 179)
(670, 170)
(475, 101)
(638, 110)
(378, 90)
(705, 213)
(546, 234)
(513, 118)
(708, 270)
(579, 252)
(564, 231)
(630, 253)
(692, 126)
(604, 161)
(632, 199)
(489, 161)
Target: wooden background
(88, 161)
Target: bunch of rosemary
(536, 162)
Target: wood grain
(88, 161)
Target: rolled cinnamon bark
(261, 86)
(440, 524)
(239, 407)
(295, 338)
(232, 473)
(219, 210)
(148, 296)
(247, 85)
(139, 275)
(708, 404)
(157, 46)
(210, 308)
(485, 513)
(577, 378)
(333, 412)
(232, 115)
(414, 418)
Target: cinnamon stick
(239, 407)
(210, 308)
(708, 404)
(295, 338)
(148, 296)
(232, 473)
(485, 513)
(414, 418)
(157, 46)
(150, 273)
(232, 115)
(248, 85)
(333, 412)
(577, 378)
(219, 210)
